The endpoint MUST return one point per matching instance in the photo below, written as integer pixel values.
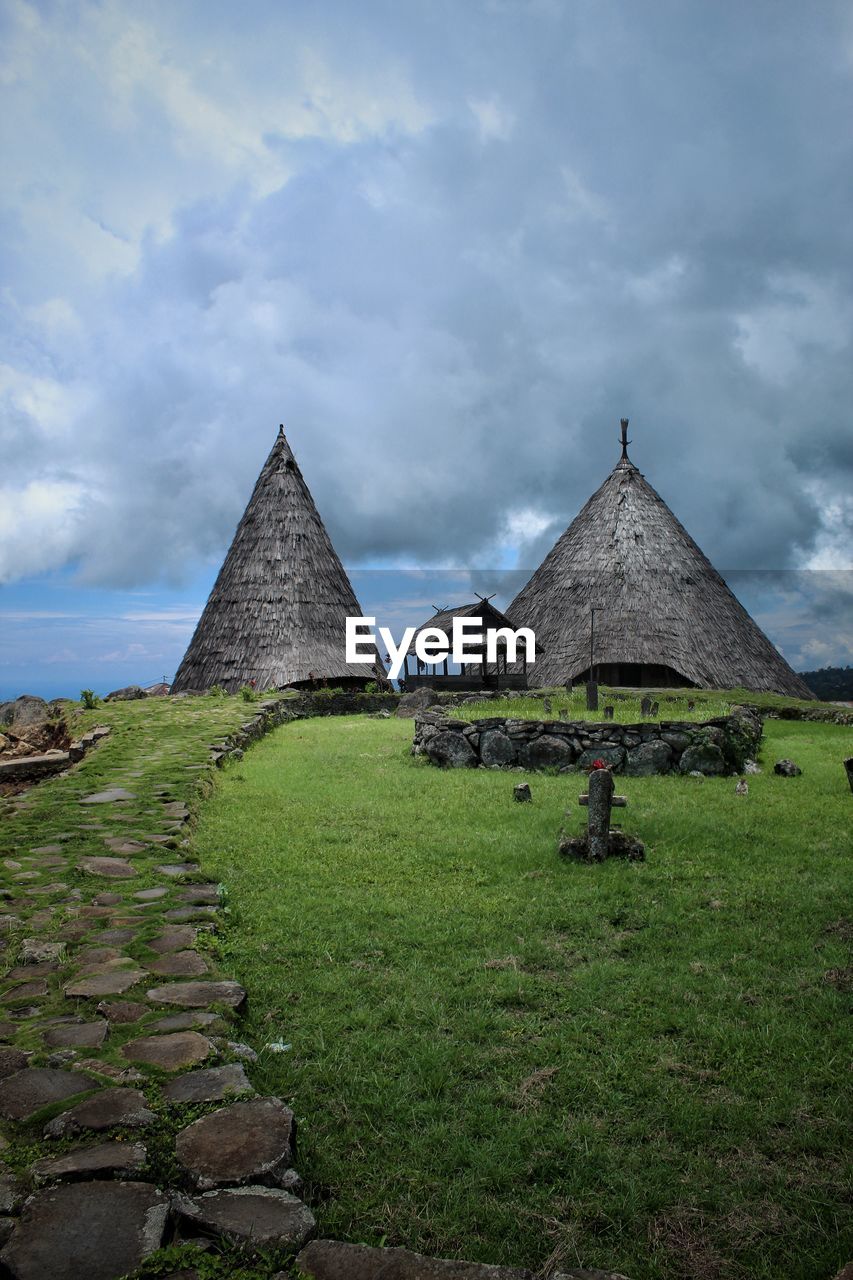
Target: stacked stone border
(714, 747)
(28, 769)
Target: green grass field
(496, 1055)
(673, 704)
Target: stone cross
(591, 695)
(599, 801)
(645, 706)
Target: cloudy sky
(448, 245)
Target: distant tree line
(831, 683)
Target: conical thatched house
(663, 615)
(277, 610)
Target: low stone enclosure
(715, 747)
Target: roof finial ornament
(625, 440)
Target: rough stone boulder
(21, 713)
(451, 749)
(787, 769)
(411, 703)
(648, 758)
(546, 752)
(129, 694)
(704, 757)
(497, 748)
(612, 756)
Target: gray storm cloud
(449, 247)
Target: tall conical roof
(659, 601)
(277, 610)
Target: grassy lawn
(500, 1056)
(673, 704)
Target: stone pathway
(114, 1021)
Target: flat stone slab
(115, 868)
(105, 984)
(97, 956)
(180, 964)
(26, 1092)
(200, 894)
(185, 1021)
(111, 1107)
(191, 913)
(80, 1035)
(175, 937)
(332, 1260)
(25, 991)
(172, 1052)
(105, 1158)
(195, 995)
(35, 951)
(261, 1216)
(110, 796)
(121, 1011)
(11, 1060)
(211, 1084)
(116, 937)
(177, 868)
(248, 1142)
(150, 895)
(121, 844)
(97, 1230)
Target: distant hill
(831, 684)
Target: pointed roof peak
(625, 441)
(281, 449)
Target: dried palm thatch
(277, 610)
(663, 615)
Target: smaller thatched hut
(277, 613)
(471, 676)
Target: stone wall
(28, 769)
(671, 746)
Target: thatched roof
(492, 620)
(277, 609)
(658, 599)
